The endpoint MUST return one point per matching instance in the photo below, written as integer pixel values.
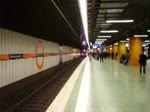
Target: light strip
(146, 41)
(98, 42)
(109, 31)
(122, 41)
(148, 30)
(116, 43)
(120, 21)
(114, 10)
(101, 39)
(83, 12)
(140, 35)
(91, 43)
(104, 36)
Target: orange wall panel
(121, 50)
(115, 50)
(107, 50)
(135, 50)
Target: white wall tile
(17, 43)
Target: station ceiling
(60, 20)
(101, 10)
(53, 20)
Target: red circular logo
(39, 45)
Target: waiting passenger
(90, 56)
(116, 55)
(101, 56)
(122, 60)
(126, 59)
(112, 55)
(142, 61)
(105, 55)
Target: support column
(110, 52)
(135, 50)
(115, 50)
(121, 50)
(107, 49)
(149, 51)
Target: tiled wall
(67, 53)
(76, 53)
(17, 43)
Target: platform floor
(109, 87)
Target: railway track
(41, 98)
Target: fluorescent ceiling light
(104, 36)
(127, 45)
(114, 10)
(83, 12)
(122, 41)
(140, 35)
(148, 30)
(120, 21)
(109, 31)
(101, 39)
(98, 42)
(146, 47)
(94, 46)
(146, 40)
(100, 19)
(91, 43)
(116, 43)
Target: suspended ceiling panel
(113, 5)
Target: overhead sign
(96, 45)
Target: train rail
(39, 99)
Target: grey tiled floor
(111, 87)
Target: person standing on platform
(112, 55)
(90, 56)
(142, 61)
(127, 56)
(116, 55)
(101, 57)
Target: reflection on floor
(110, 87)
